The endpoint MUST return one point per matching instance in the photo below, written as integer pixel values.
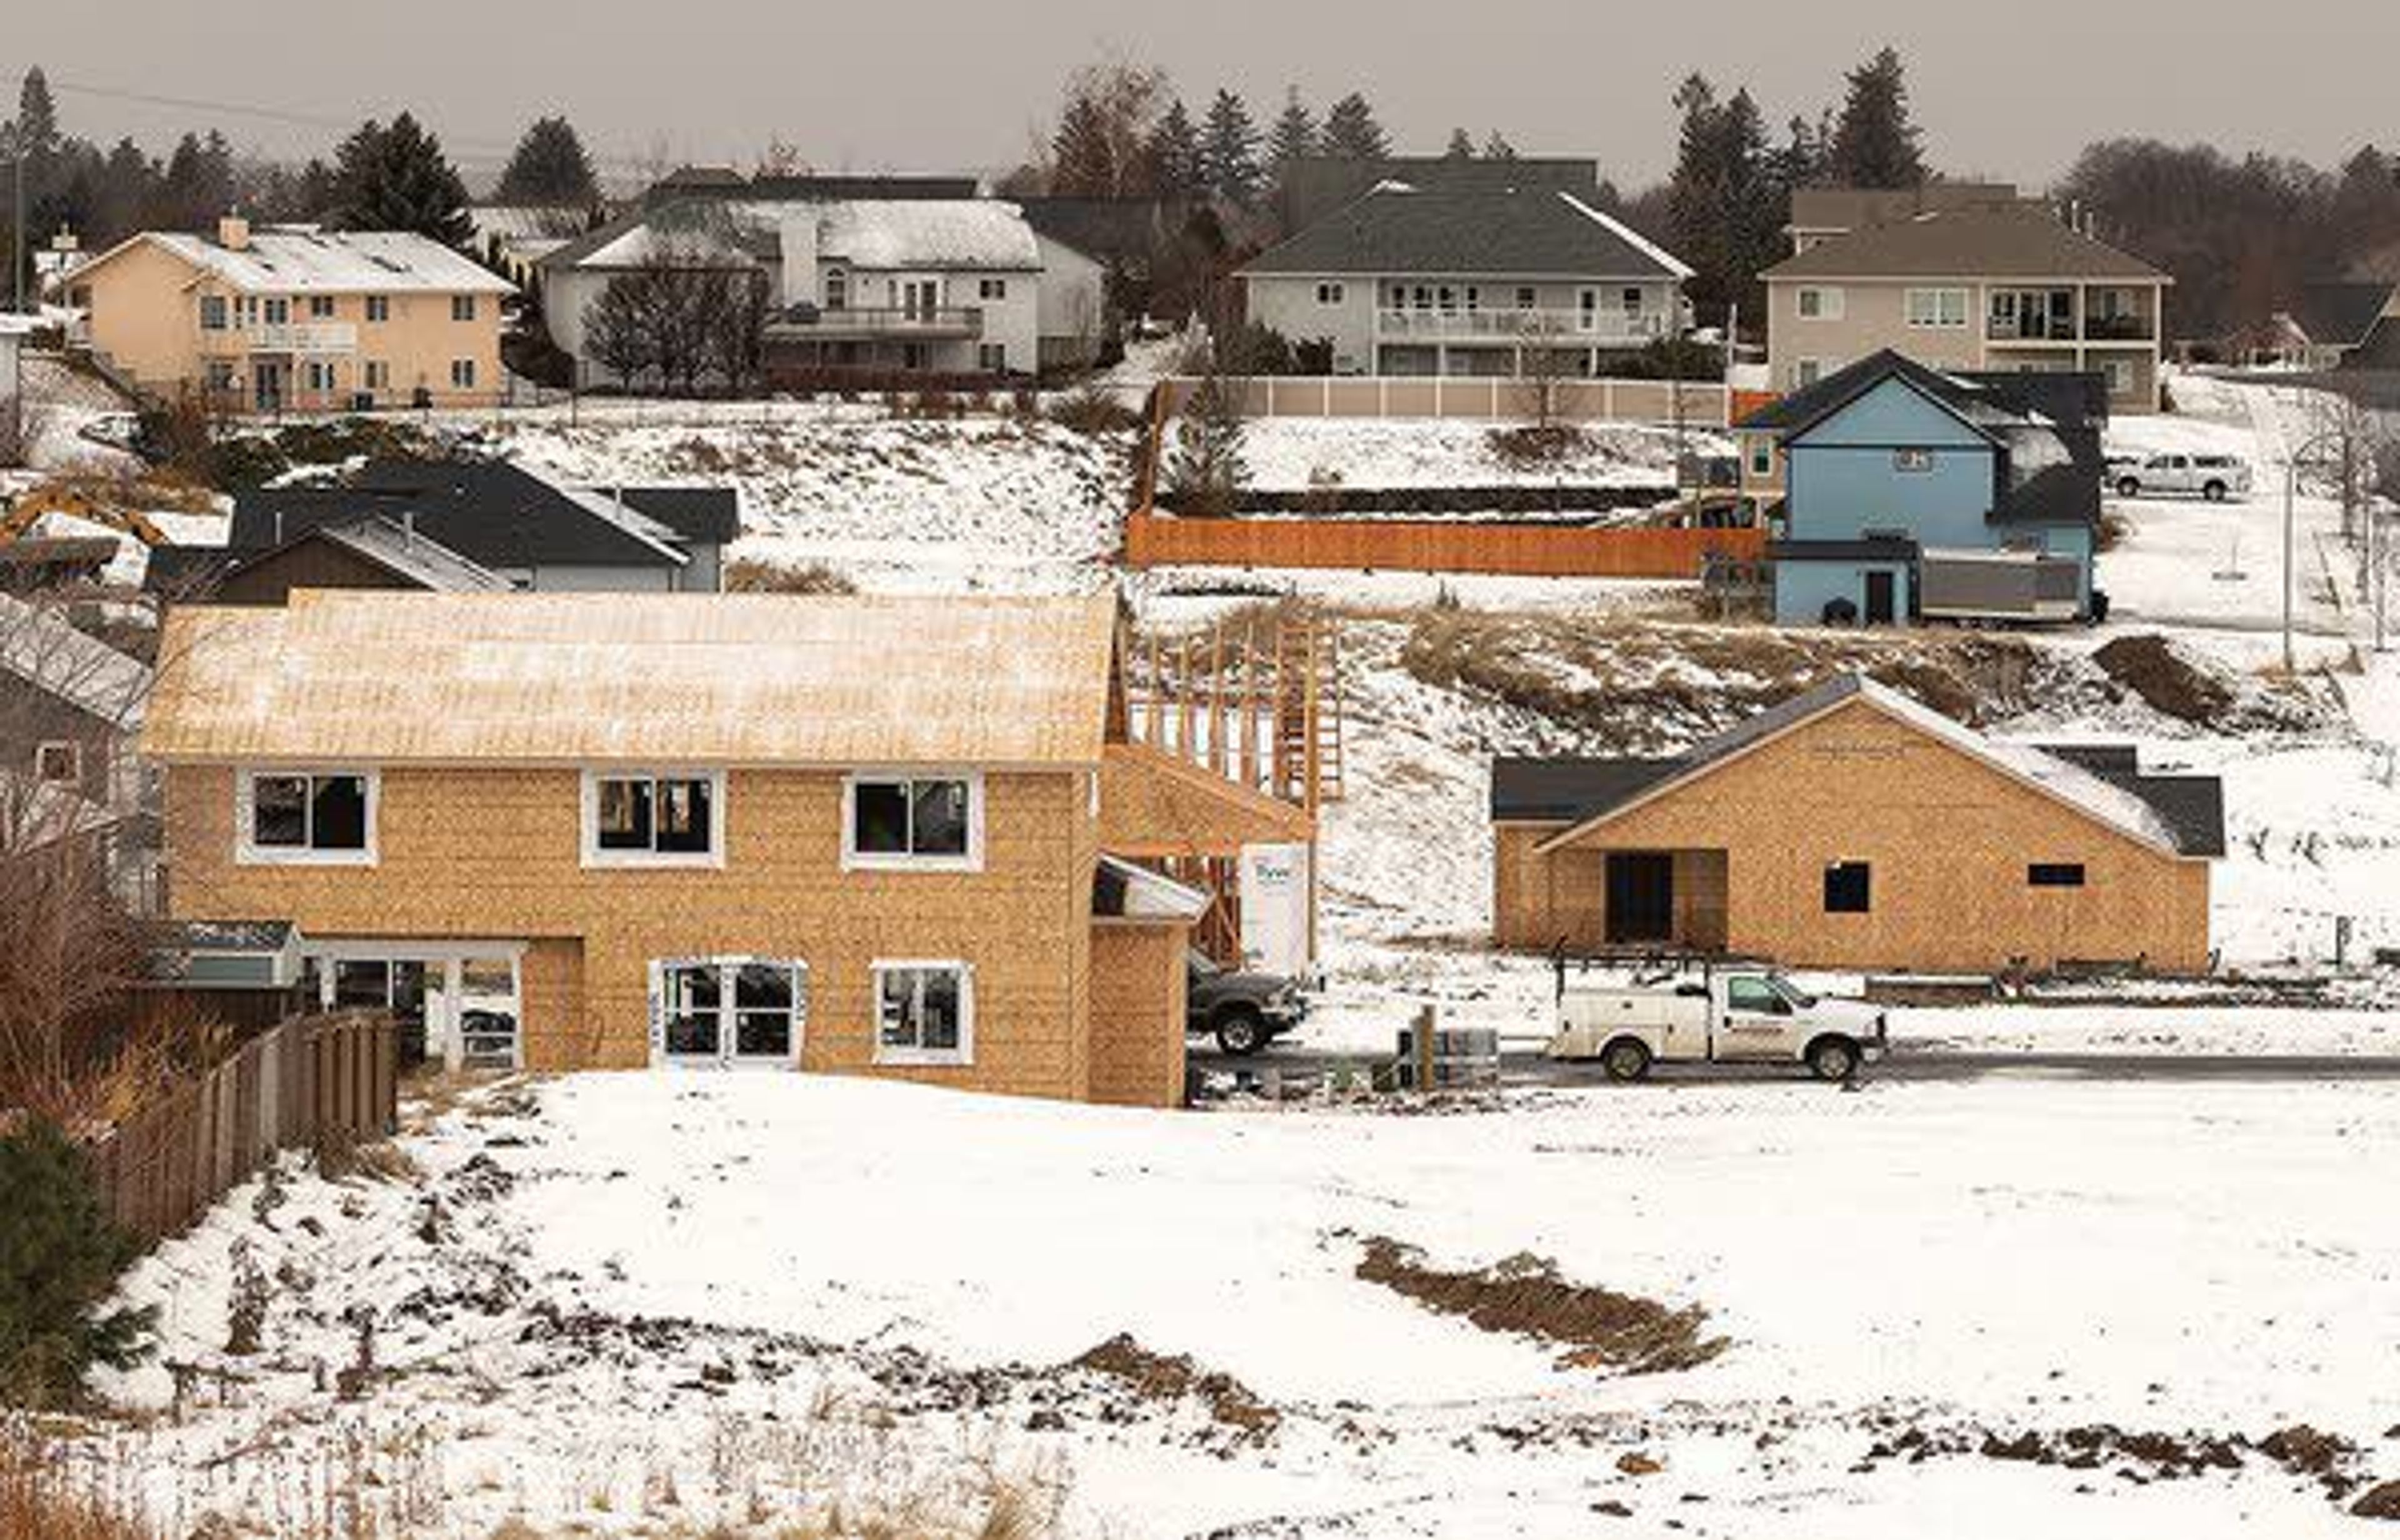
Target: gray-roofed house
(457, 525)
(1982, 285)
(2330, 325)
(1851, 826)
(371, 551)
(69, 703)
(1468, 278)
(1914, 494)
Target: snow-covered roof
(878, 235)
(39, 646)
(19, 326)
(304, 260)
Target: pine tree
(1205, 471)
(1082, 160)
(397, 178)
(1352, 133)
(36, 129)
(1496, 147)
(550, 168)
(1294, 135)
(1174, 153)
(1874, 142)
(1229, 150)
(1696, 189)
(1461, 146)
(63, 1255)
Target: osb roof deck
(665, 680)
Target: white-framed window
(1528, 297)
(1762, 458)
(991, 288)
(1629, 297)
(654, 818)
(1819, 304)
(1945, 309)
(1912, 462)
(728, 1011)
(59, 762)
(378, 374)
(992, 357)
(1328, 294)
(1806, 371)
(924, 1012)
(220, 373)
(378, 308)
(837, 289)
(912, 823)
(321, 373)
(462, 374)
(306, 817)
(321, 307)
(212, 312)
(2119, 375)
(462, 306)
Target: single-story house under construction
(1851, 826)
(565, 831)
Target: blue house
(1910, 493)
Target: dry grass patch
(1162, 1377)
(39, 1502)
(752, 575)
(1526, 1296)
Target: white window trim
(963, 1055)
(1934, 294)
(247, 852)
(726, 1057)
(719, 812)
(1830, 302)
(855, 860)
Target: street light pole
(2291, 498)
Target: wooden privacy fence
(308, 1081)
(1434, 545)
(1697, 404)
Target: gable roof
(38, 646)
(302, 259)
(1791, 416)
(1819, 209)
(2122, 798)
(1983, 241)
(1504, 231)
(2341, 315)
(405, 552)
(498, 515)
(880, 234)
(566, 680)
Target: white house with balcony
(1469, 280)
(938, 285)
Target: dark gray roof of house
(1124, 230)
(2062, 494)
(703, 515)
(1986, 240)
(183, 571)
(489, 512)
(1864, 207)
(2341, 315)
(1558, 791)
(2192, 806)
(1314, 187)
(1404, 228)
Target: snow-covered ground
(625, 1301)
(1294, 453)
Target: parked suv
(2215, 477)
(1245, 1011)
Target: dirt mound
(1162, 1377)
(1526, 1296)
(2382, 1502)
(2166, 681)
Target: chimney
(796, 253)
(233, 233)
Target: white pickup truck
(2215, 477)
(1726, 1016)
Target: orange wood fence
(1425, 545)
(312, 1080)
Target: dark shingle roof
(1558, 791)
(2010, 241)
(1864, 207)
(1314, 187)
(2341, 315)
(2192, 806)
(1526, 231)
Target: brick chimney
(233, 233)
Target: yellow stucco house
(293, 317)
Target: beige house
(295, 318)
(870, 836)
(1981, 285)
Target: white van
(1728, 1014)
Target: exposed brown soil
(2167, 682)
(1162, 1377)
(1526, 1296)
(2381, 1502)
(2327, 1459)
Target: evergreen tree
(397, 178)
(551, 168)
(198, 185)
(36, 124)
(1082, 160)
(1352, 133)
(1229, 150)
(1205, 471)
(62, 1255)
(1174, 153)
(1294, 135)
(1876, 145)
(1496, 147)
(1461, 146)
(1696, 189)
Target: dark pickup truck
(1244, 1011)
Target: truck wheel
(2213, 492)
(1241, 1033)
(2129, 487)
(1833, 1059)
(1625, 1060)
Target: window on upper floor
(1528, 297)
(1818, 303)
(1937, 308)
(1849, 888)
(653, 819)
(378, 308)
(1629, 298)
(1761, 458)
(1328, 294)
(1806, 371)
(462, 306)
(991, 288)
(321, 307)
(907, 822)
(212, 312)
(59, 762)
(837, 289)
(306, 817)
(277, 311)
(1912, 462)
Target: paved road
(1519, 1068)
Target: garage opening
(1641, 897)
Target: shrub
(750, 576)
(1091, 410)
(59, 1255)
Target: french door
(714, 1013)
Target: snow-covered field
(1294, 453)
(627, 1301)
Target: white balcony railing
(323, 336)
(1565, 327)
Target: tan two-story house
(296, 319)
(1978, 286)
(579, 831)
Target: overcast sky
(2011, 91)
